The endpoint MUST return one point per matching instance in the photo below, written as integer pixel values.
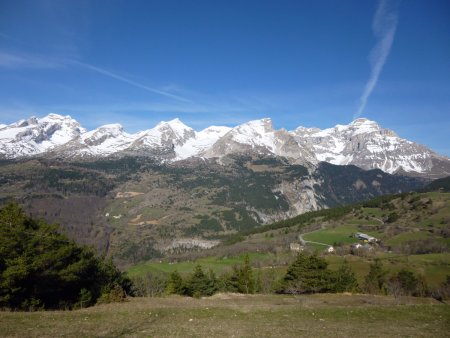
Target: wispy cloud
(128, 81)
(16, 61)
(384, 26)
(10, 60)
(10, 38)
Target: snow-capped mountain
(37, 135)
(166, 136)
(362, 143)
(365, 144)
(259, 136)
(203, 140)
(103, 141)
(112, 139)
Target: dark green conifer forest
(41, 268)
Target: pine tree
(345, 279)
(408, 281)
(375, 281)
(175, 284)
(230, 281)
(308, 274)
(213, 284)
(246, 283)
(198, 284)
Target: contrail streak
(11, 60)
(130, 82)
(384, 26)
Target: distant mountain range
(362, 143)
(171, 188)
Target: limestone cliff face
(301, 196)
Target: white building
(295, 247)
(365, 237)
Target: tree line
(308, 274)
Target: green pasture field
(340, 234)
(217, 264)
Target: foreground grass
(229, 315)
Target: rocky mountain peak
(114, 128)
(166, 134)
(176, 125)
(363, 143)
(363, 126)
(25, 123)
(99, 135)
(362, 120)
(367, 145)
(34, 136)
(260, 126)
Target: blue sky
(311, 63)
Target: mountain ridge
(363, 143)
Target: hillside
(413, 232)
(388, 218)
(135, 208)
(440, 184)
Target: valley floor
(236, 315)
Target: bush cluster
(198, 283)
(310, 274)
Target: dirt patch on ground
(127, 194)
(263, 168)
(136, 219)
(226, 296)
(156, 221)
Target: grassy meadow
(217, 264)
(434, 267)
(237, 315)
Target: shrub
(246, 284)
(241, 279)
(175, 284)
(393, 216)
(150, 284)
(375, 281)
(408, 281)
(199, 284)
(116, 294)
(345, 279)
